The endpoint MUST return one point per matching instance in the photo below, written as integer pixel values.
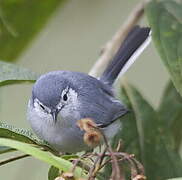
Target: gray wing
(99, 103)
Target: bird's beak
(54, 114)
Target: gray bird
(61, 98)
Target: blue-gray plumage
(61, 98)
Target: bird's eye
(65, 97)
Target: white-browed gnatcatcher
(61, 98)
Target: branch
(113, 45)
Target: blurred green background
(72, 40)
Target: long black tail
(135, 42)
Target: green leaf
(4, 149)
(53, 173)
(10, 73)
(156, 145)
(145, 132)
(170, 112)
(20, 21)
(19, 134)
(47, 157)
(176, 178)
(23, 135)
(131, 139)
(165, 19)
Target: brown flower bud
(92, 138)
(86, 124)
(139, 177)
(66, 176)
(59, 178)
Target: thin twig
(109, 160)
(113, 45)
(13, 159)
(104, 164)
(139, 166)
(75, 163)
(79, 162)
(97, 167)
(91, 172)
(116, 175)
(118, 148)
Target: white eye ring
(65, 94)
